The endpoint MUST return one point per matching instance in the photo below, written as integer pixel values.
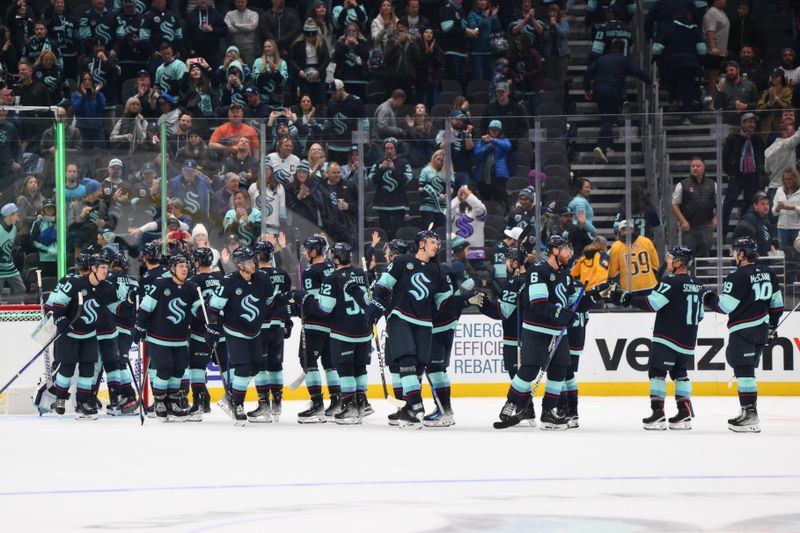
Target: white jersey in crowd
(275, 205)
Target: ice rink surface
(608, 475)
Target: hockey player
(317, 330)
(108, 360)
(677, 300)
(461, 294)
(407, 291)
(343, 297)
(123, 317)
(391, 250)
(77, 345)
(641, 258)
(236, 310)
(275, 327)
(151, 256)
(199, 350)
(547, 312)
(752, 299)
(506, 306)
(163, 320)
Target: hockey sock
(62, 383)
(552, 394)
(239, 386)
(748, 391)
(185, 381)
(261, 381)
(334, 384)
(174, 385)
(313, 382)
(348, 386)
(411, 387)
(683, 389)
(441, 385)
(519, 391)
(125, 379)
(113, 379)
(275, 380)
(397, 385)
(197, 376)
(658, 391)
(362, 382)
(160, 385)
(571, 385)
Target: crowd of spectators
(414, 73)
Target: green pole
(164, 187)
(61, 201)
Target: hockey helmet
(516, 254)
(264, 249)
(342, 252)
(397, 247)
(423, 235)
(178, 259)
(316, 243)
(98, 259)
(745, 244)
(82, 261)
(557, 241)
(684, 253)
(120, 260)
(203, 256)
(151, 252)
(243, 254)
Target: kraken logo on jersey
(166, 29)
(176, 314)
(99, 77)
(5, 251)
(3, 137)
(104, 32)
(90, 308)
(339, 123)
(389, 183)
(561, 294)
(246, 233)
(250, 309)
(205, 105)
(465, 229)
(191, 202)
(420, 291)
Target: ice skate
(682, 420)
(394, 417)
(349, 413)
(86, 411)
(746, 422)
(439, 419)
(263, 413)
(409, 417)
(175, 412)
(507, 416)
(364, 407)
(551, 421)
(60, 406)
(314, 413)
(334, 408)
(197, 409)
(277, 398)
(128, 405)
(657, 421)
(239, 416)
(159, 410)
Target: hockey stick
(519, 322)
(48, 370)
(44, 349)
(225, 384)
(133, 375)
(299, 380)
(381, 363)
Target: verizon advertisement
(616, 351)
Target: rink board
(613, 362)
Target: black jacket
(759, 228)
(611, 70)
(732, 151)
(202, 43)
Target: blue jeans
(786, 237)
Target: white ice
(608, 475)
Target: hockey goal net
(17, 322)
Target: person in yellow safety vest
(591, 268)
(641, 256)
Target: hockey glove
(62, 325)
(564, 316)
(772, 336)
(596, 294)
(138, 334)
(213, 334)
(707, 296)
(373, 313)
(352, 288)
(621, 298)
(287, 331)
(296, 302)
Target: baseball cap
(190, 163)
(760, 195)
(747, 116)
(563, 210)
(513, 233)
(148, 167)
(502, 86)
(143, 72)
(338, 85)
(115, 163)
(251, 91)
(496, 124)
